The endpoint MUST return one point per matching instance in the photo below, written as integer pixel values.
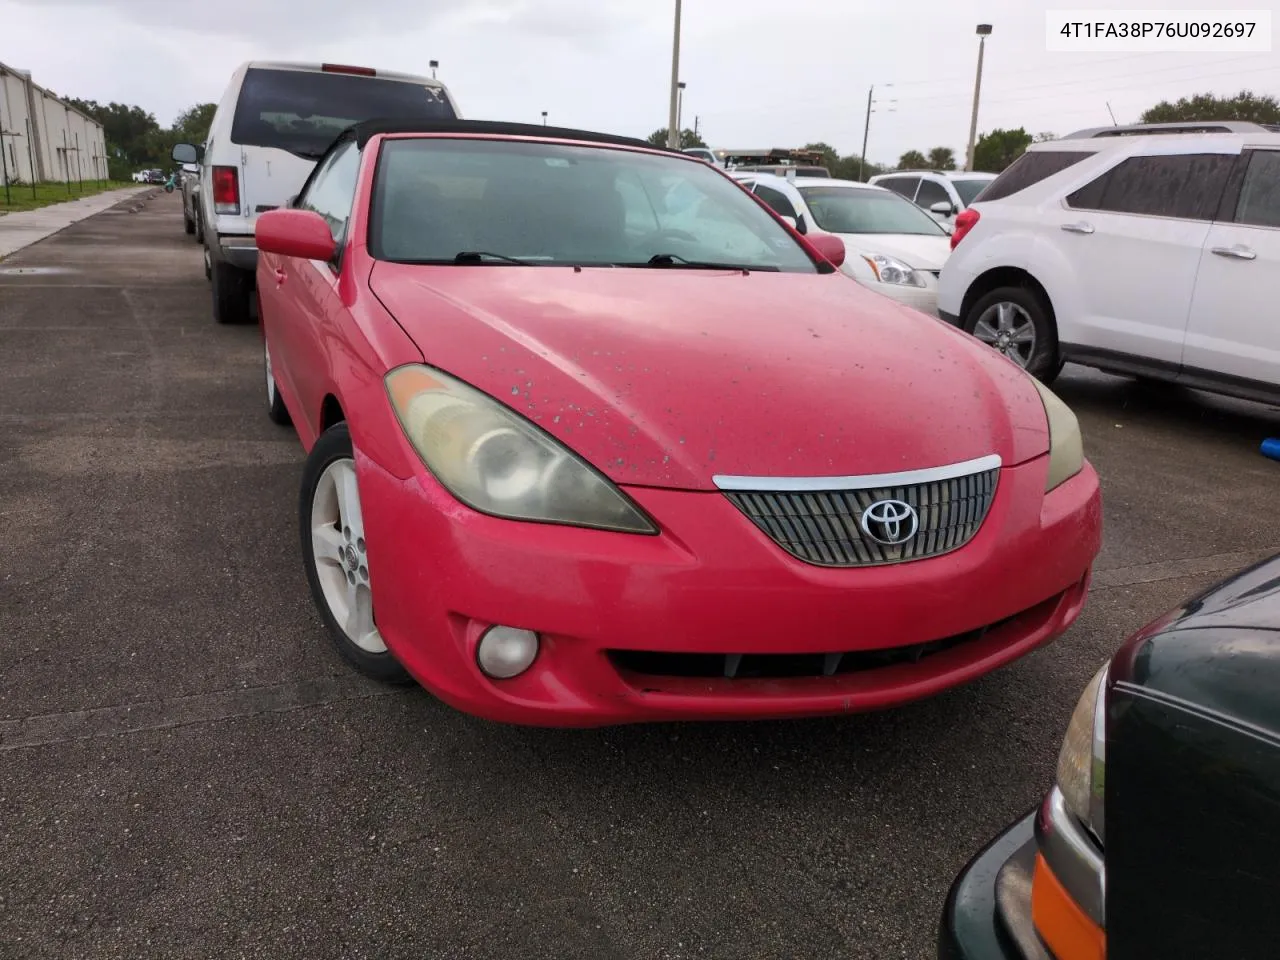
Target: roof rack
(1195, 126)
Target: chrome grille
(824, 526)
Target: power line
(1090, 65)
(1105, 79)
(909, 108)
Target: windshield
(855, 210)
(545, 203)
(969, 189)
(303, 111)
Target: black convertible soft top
(371, 128)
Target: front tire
(276, 410)
(1016, 322)
(334, 552)
(188, 225)
(232, 288)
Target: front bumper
(988, 910)
(991, 913)
(711, 582)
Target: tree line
(136, 141)
(996, 149)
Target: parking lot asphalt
(187, 770)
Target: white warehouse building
(44, 139)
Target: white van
(272, 124)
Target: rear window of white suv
(303, 111)
(1028, 170)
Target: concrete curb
(20, 230)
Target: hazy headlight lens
(1066, 447)
(1082, 761)
(891, 270)
(492, 459)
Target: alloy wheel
(341, 559)
(1008, 328)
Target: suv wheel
(188, 225)
(1017, 323)
(232, 289)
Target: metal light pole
(673, 119)
(984, 31)
(544, 118)
(433, 64)
(680, 110)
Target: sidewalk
(18, 230)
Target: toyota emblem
(890, 522)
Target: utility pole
(866, 132)
(984, 31)
(31, 159)
(66, 160)
(673, 120)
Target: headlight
(889, 270)
(1066, 448)
(1082, 762)
(497, 462)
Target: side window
(1259, 204)
(906, 186)
(333, 189)
(778, 201)
(931, 193)
(1182, 186)
(1029, 169)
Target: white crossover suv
(1152, 251)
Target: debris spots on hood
(515, 391)
(556, 418)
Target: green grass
(20, 197)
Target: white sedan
(894, 247)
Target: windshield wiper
(479, 256)
(675, 260)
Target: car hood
(916, 251)
(667, 377)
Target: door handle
(280, 275)
(1238, 252)
(1080, 227)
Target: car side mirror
(944, 208)
(829, 247)
(295, 233)
(185, 153)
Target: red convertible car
(594, 437)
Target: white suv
(943, 193)
(1156, 255)
(273, 122)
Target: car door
(308, 307)
(1234, 328)
(1130, 241)
(932, 192)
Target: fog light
(506, 652)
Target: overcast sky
(759, 72)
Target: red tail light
(344, 68)
(965, 221)
(226, 190)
